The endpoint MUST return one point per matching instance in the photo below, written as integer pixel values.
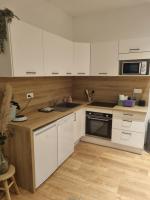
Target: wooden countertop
(138, 109)
(39, 119)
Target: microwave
(134, 67)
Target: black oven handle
(102, 120)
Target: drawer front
(129, 116)
(128, 138)
(128, 124)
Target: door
(65, 138)
(79, 124)
(26, 49)
(104, 59)
(45, 153)
(58, 55)
(82, 54)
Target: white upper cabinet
(104, 59)
(134, 49)
(82, 54)
(58, 55)
(25, 49)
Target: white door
(104, 59)
(45, 153)
(68, 58)
(82, 54)
(134, 45)
(26, 49)
(65, 138)
(58, 55)
(79, 125)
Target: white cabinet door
(128, 138)
(134, 45)
(104, 59)
(58, 55)
(68, 58)
(26, 49)
(45, 153)
(82, 54)
(65, 138)
(79, 125)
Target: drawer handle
(81, 73)
(126, 114)
(55, 73)
(127, 120)
(103, 73)
(30, 72)
(125, 133)
(68, 73)
(135, 49)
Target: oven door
(100, 127)
(131, 68)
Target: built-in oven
(99, 124)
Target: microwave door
(131, 68)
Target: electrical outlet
(137, 91)
(30, 95)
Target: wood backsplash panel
(46, 90)
(108, 88)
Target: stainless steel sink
(62, 107)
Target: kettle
(14, 107)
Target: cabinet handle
(55, 73)
(126, 114)
(127, 120)
(103, 73)
(75, 117)
(81, 73)
(30, 72)
(136, 49)
(68, 73)
(125, 133)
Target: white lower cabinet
(65, 138)
(54, 143)
(128, 138)
(79, 125)
(45, 153)
(129, 129)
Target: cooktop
(103, 104)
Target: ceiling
(84, 7)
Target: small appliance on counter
(13, 115)
(142, 103)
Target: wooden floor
(97, 173)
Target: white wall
(122, 23)
(43, 14)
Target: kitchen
(63, 71)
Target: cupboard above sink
(31, 51)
